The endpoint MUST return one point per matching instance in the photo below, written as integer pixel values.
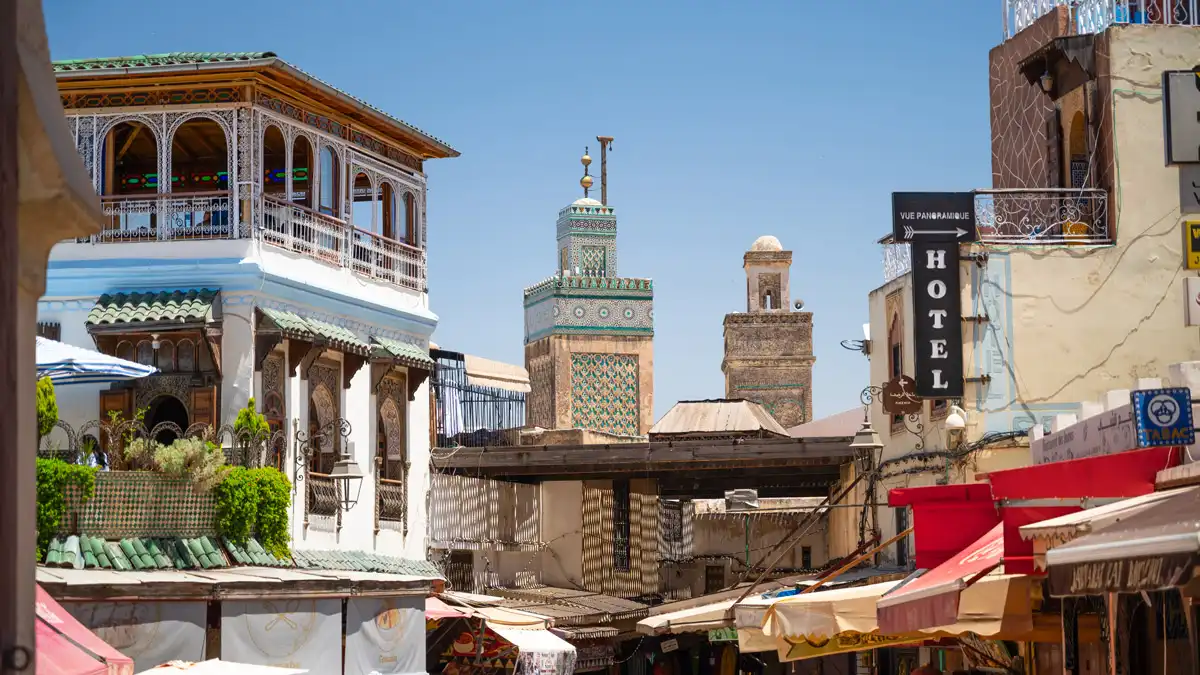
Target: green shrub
(53, 478)
(255, 502)
(251, 424)
(201, 462)
(47, 408)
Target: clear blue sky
(731, 120)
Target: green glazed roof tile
(294, 326)
(408, 353)
(363, 561)
(153, 307)
(339, 336)
(291, 324)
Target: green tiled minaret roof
(153, 307)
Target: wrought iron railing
(897, 260)
(166, 217)
(1043, 216)
(472, 415)
(103, 443)
(296, 228)
(321, 497)
(1094, 16)
(208, 215)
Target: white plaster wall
(237, 359)
(1085, 323)
(78, 404)
(562, 530)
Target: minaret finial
(586, 181)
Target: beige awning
(1066, 528)
(488, 373)
(826, 613)
(699, 619)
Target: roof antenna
(605, 146)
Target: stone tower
(768, 348)
(589, 333)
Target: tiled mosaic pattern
(589, 316)
(593, 261)
(604, 392)
(140, 504)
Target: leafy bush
(255, 502)
(251, 424)
(200, 461)
(47, 407)
(53, 478)
(193, 458)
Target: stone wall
(574, 376)
(769, 360)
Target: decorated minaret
(589, 333)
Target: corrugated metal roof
(568, 605)
(718, 416)
(842, 425)
(488, 373)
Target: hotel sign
(933, 216)
(937, 314)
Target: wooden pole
(852, 563)
(15, 559)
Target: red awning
(436, 609)
(946, 518)
(931, 600)
(1031, 494)
(66, 647)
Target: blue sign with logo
(1163, 417)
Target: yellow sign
(843, 643)
(1191, 243)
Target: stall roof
(1091, 520)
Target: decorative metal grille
(621, 526)
(102, 442)
(1094, 16)
(1043, 216)
(897, 261)
(471, 415)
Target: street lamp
(867, 440)
(345, 472)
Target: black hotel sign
(935, 223)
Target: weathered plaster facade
(589, 334)
(768, 348)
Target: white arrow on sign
(909, 232)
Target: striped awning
(68, 364)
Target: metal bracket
(1052, 502)
(984, 379)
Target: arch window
(302, 165)
(274, 162)
(409, 233)
(363, 208)
(166, 356)
(896, 360)
(185, 356)
(330, 182)
(125, 351)
(145, 353)
(386, 210)
(199, 157)
(129, 169)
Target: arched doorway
(166, 408)
(321, 411)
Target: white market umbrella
(68, 364)
(218, 667)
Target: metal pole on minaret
(605, 144)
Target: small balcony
(1095, 16)
(1049, 216)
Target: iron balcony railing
(208, 215)
(1024, 217)
(472, 415)
(1094, 16)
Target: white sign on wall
(303, 634)
(1191, 287)
(1108, 433)
(385, 636)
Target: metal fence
(472, 415)
(1095, 16)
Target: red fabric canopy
(946, 518)
(931, 600)
(1124, 474)
(66, 647)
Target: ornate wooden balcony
(292, 227)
